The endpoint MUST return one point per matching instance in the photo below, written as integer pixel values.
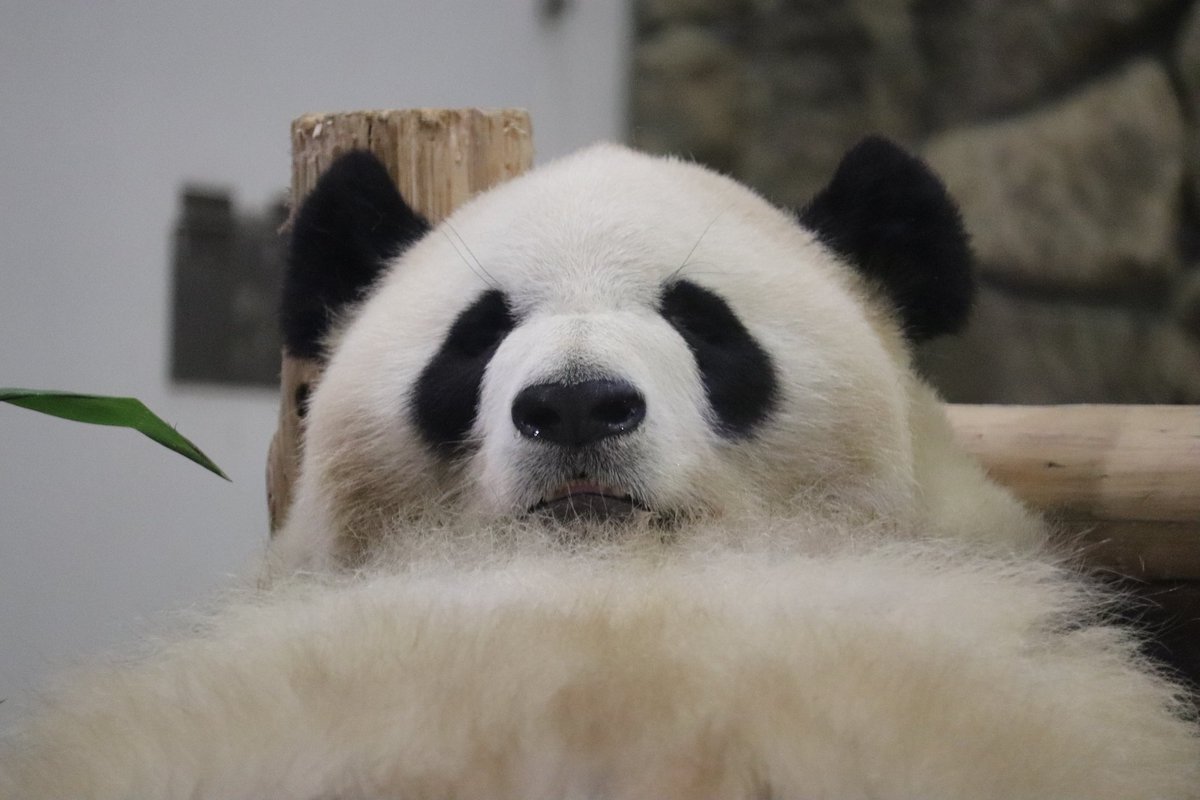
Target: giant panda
(619, 483)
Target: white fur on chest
(886, 673)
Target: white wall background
(106, 108)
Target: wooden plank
(1124, 478)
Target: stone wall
(1066, 129)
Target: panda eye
(446, 396)
(700, 316)
(480, 328)
(739, 377)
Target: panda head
(613, 336)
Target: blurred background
(1066, 130)
(146, 154)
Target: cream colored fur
(867, 672)
(841, 606)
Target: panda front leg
(854, 677)
(392, 687)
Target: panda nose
(575, 414)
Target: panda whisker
(477, 267)
(692, 252)
(693, 271)
(468, 264)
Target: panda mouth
(587, 500)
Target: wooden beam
(1122, 481)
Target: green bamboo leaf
(124, 412)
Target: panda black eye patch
(739, 378)
(446, 396)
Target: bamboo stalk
(439, 158)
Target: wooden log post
(1122, 482)
(438, 158)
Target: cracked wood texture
(439, 158)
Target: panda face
(612, 336)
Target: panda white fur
(620, 484)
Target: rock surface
(1083, 194)
(989, 57)
(1021, 350)
(687, 98)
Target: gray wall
(109, 107)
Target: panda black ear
(888, 215)
(347, 229)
